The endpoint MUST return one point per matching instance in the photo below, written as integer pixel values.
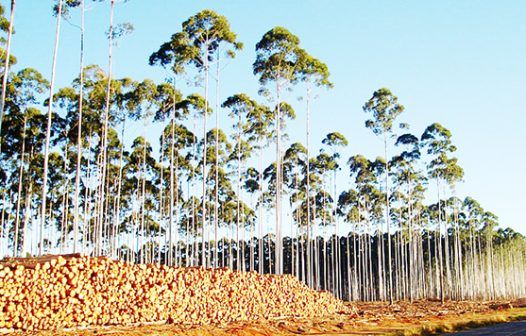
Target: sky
(459, 63)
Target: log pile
(55, 292)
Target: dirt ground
(373, 318)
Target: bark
(48, 132)
(6, 64)
(79, 135)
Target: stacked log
(55, 292)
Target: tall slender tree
(198, 44)
(279, 60)
(48, 131)
(314, 73)
(443, 169)
(384, 107)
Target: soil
(373, 318)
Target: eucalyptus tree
(198, 44)
(114, 33)
(172, 54)
(69, 101)
(407, 176)
(7, 54)
(370, 203)
(279, 61)
(294, 162)
(384, 107)
(490, 222)
(251, 186)
(348, 209)
(18, 142)
(167, 99)
(141, 103)
(127, 99)
(220, 188)
(228, 47)
(272, 172)
(260, 121)
(196, 105)
(333, 141)
(443, 169)
(454, 217)
(322, 214)
(74, 4)
(48, 129)
(178, 139)
(473, 213)
(142, 173)
(241, 107)
(314, 73)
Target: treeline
(210, 196)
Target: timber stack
(54, 292)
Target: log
(67, 291)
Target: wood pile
(53, 292)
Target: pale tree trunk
(492, 268)
(3, 248)
(3, 223)
(370, 279)
(278, 248)
(252, 237)
(65, 203)
(172, 181)
(349, 287)
(380, 257)
(316, 264)
(6, 64)
(19, 194)
(411, 250)
(161, 182)
(447, 253)
(48, 132)
(261, 257)
(387, 214)
(119, 189)
(216, 203)
(238, 223)
(104, 150)
(460, 258)
(194, 212)
(309, 265)
(439, 232)
(178, 255)
(87, 202)
(27, 212)
(79, 135)
(203, 224)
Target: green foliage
(197, 43)
(384, 107)
(4, 22)
(279, 57)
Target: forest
(246, 196)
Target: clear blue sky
(460, 63)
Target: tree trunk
(6, 64)
(79, 135)
(203, 224)
(19, 193)
(387, 215)
(48, 132)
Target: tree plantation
(228, 186)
